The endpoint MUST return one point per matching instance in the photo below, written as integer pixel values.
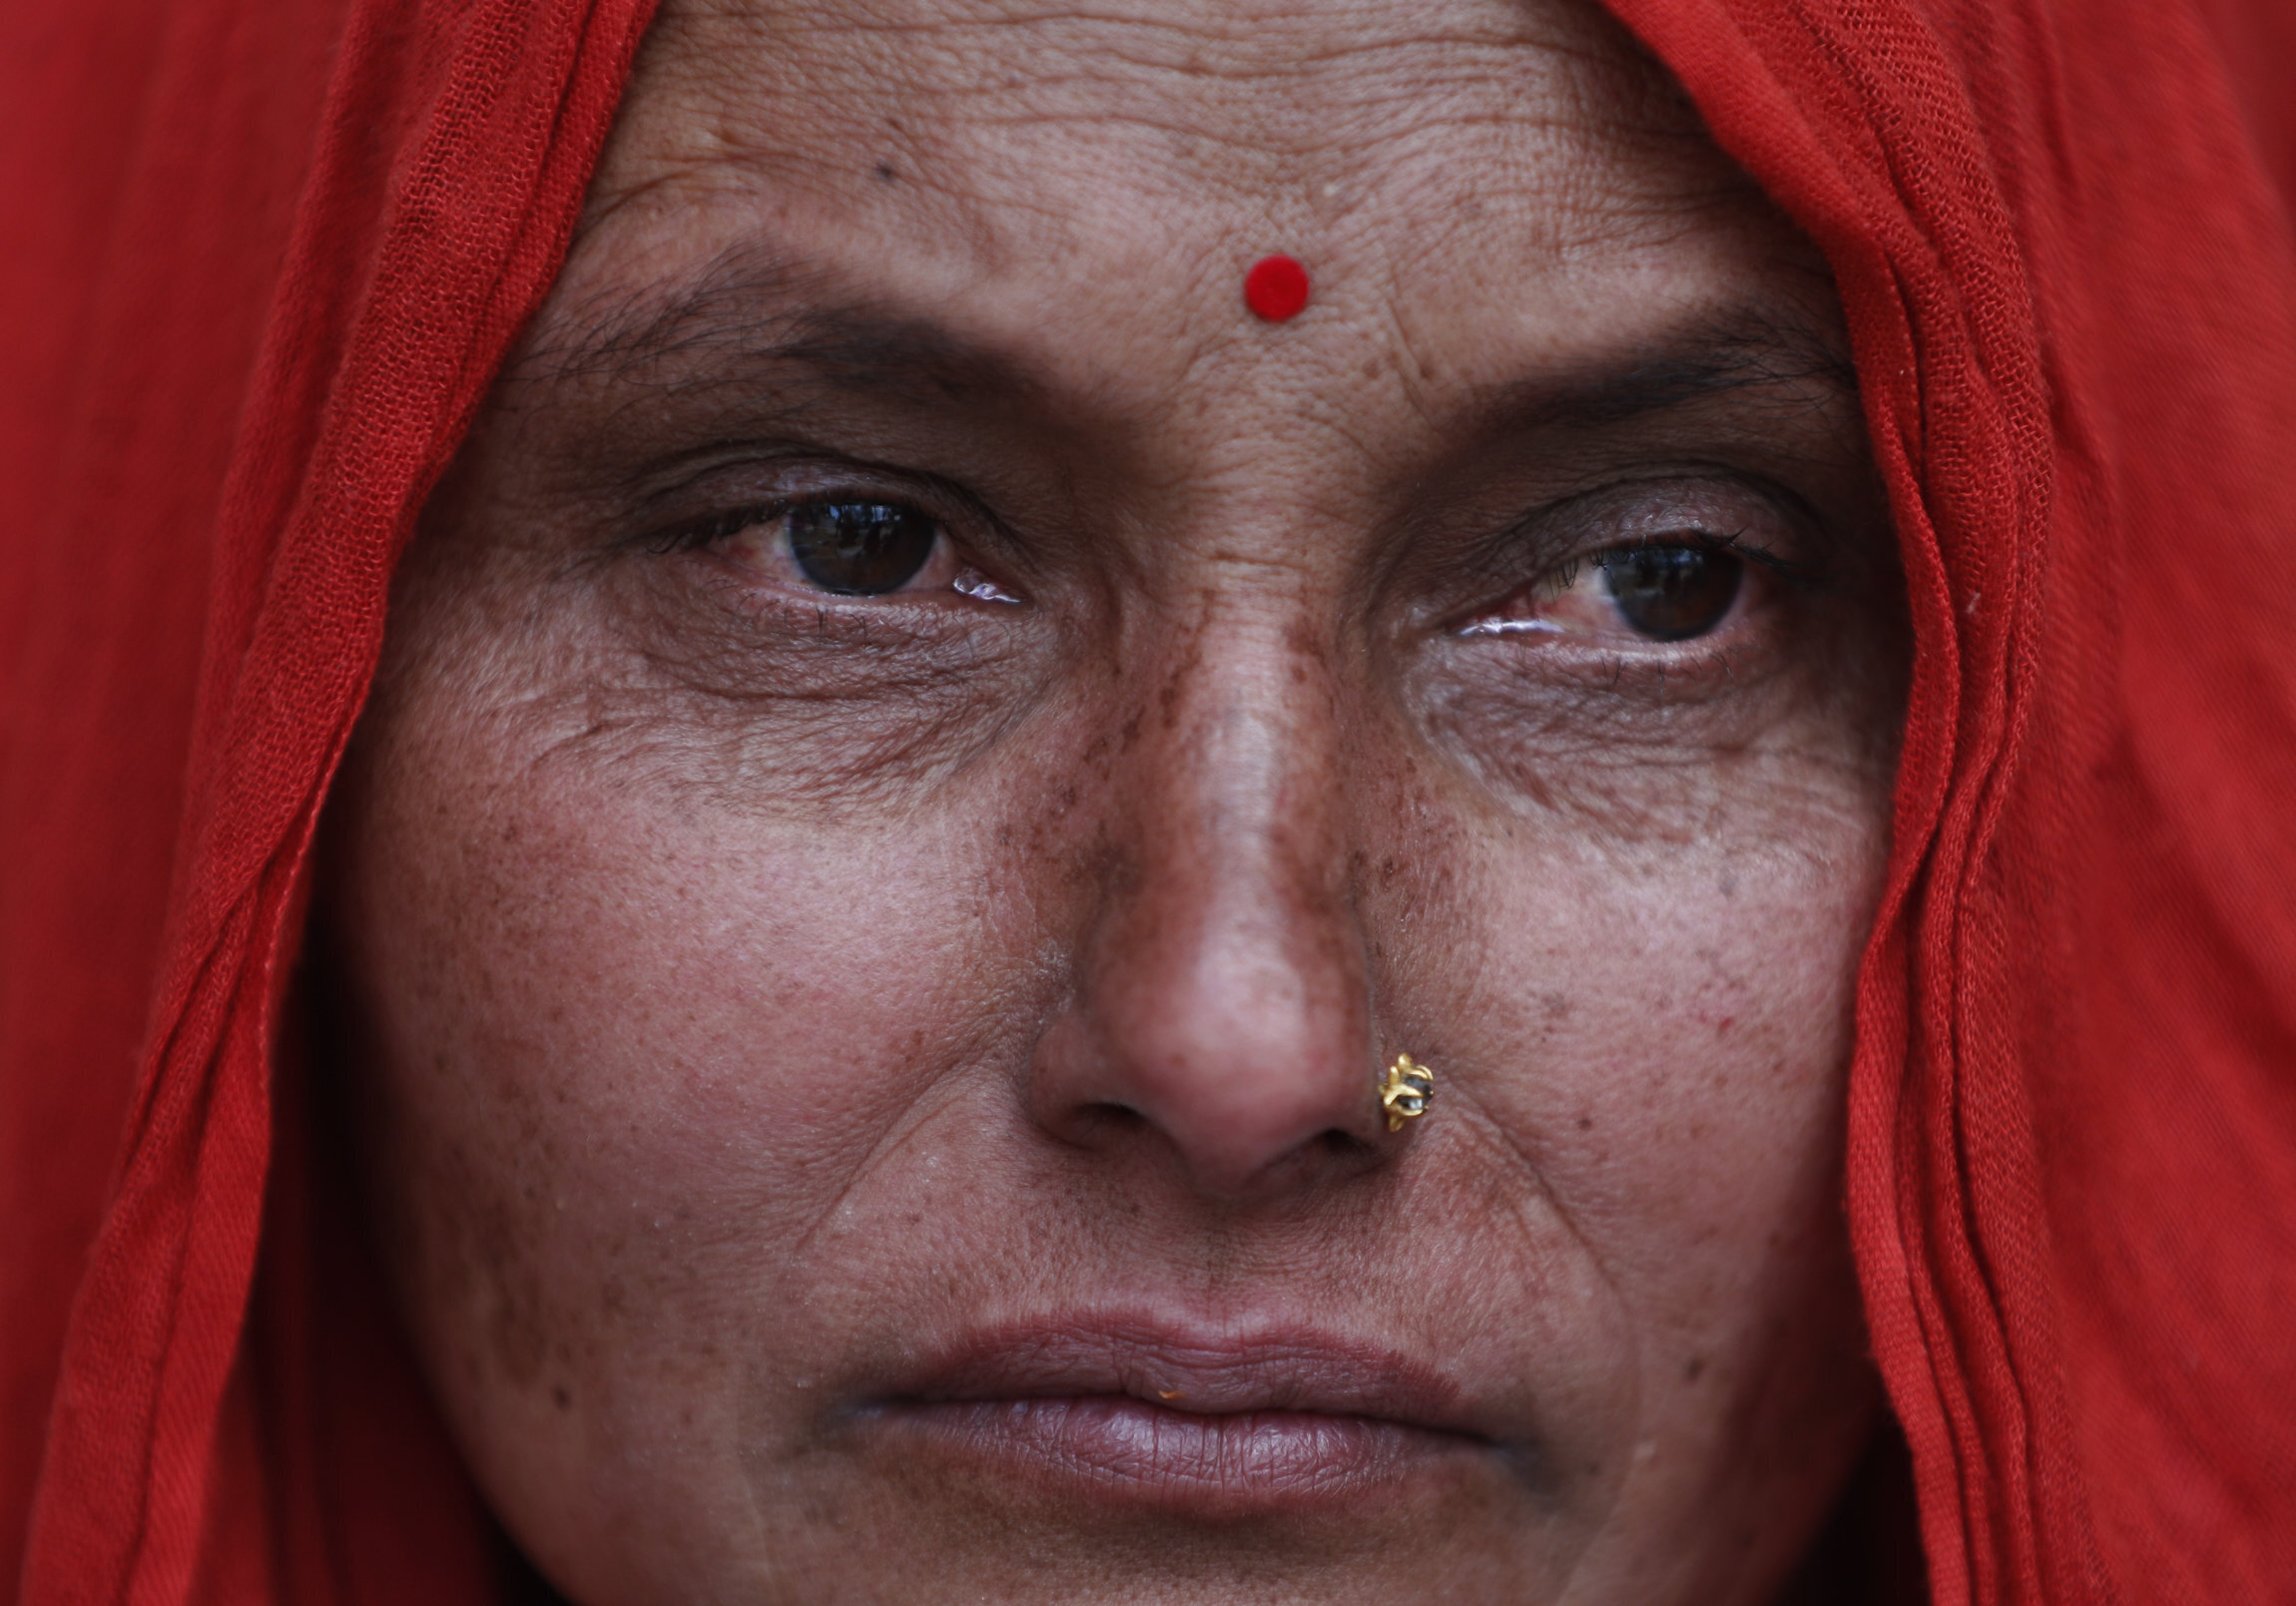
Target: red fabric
(263, 257)
(264, 260)
(2072, 290)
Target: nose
(1220, 1008)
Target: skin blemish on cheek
(1276, 289)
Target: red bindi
(1276, 288)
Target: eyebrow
(750, 311)
(1739, 348)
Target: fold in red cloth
(263, 257)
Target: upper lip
(1207, 1369)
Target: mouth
(1210, 1423)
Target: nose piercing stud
(1405, 1091)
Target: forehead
(1155, 139)
(1488, 193)
(1188, 102)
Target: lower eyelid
(1511, 627)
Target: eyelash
(709, 529)
(1734, 542)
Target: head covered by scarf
(264, 257)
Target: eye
(845, 546)
(1672, 592)
(1649, 591)
(859, 549)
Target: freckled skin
(746, 988)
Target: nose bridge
(1223, 980)
(1237, 791)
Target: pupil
(859, 549)
(1672, 592)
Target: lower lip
(1132, 1451)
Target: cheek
(1661, 1029)
(1673, 1006)
(1661, 1026)
(623, 1059)
(637, 996)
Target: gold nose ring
(1405, 1091)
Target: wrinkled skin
(870, 1097)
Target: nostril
(1104, 1119)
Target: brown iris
(1672, 593)
(859, 549)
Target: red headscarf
(263, 257)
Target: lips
(1136, 1410)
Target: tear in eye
(859, 549)
(1672, 593)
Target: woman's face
(927, 758)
